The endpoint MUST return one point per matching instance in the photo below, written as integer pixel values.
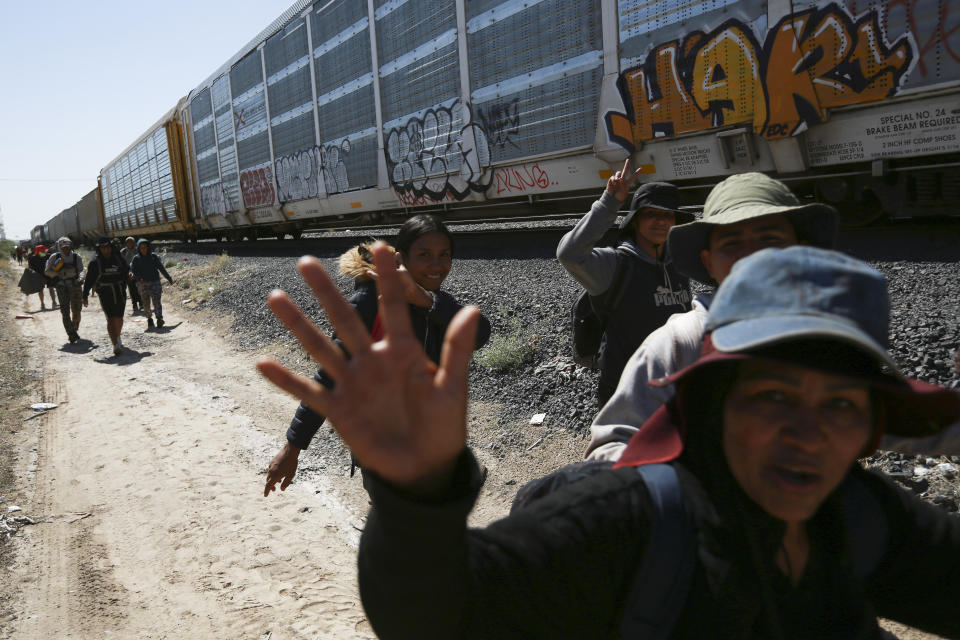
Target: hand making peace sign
(401, 415)
(619, 183)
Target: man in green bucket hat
(743, 214)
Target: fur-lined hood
(357, 261)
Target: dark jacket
(106, 274)
(429, 325)
(563, 566)
(147, 267)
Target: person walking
(654, 290)
(65, 267)
(129, 252)
(38, 262)
(19, 255)
(107, 274)
(739, 511)
(145, 269)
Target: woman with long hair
(423, 258)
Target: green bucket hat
(743, 197)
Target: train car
(89, 218)
(349, 110)
(343, 111)
(143, 191)
(37, 235)
(64, 224)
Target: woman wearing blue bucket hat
(737, 511)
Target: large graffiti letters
(257, 186)
(821, 59)
(809, 62)
(312, 173)
(444, 153)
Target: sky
(80, 81)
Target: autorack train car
(344, 110)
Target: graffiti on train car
(212, 200)
(442, 153)
(411, 200)
(312, 173)
(257, 186)
(521, 178)
(809, 62)
(501, 122)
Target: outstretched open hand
(401, 415)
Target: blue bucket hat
(798, 305)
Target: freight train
(349, 111)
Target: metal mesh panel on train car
(348, 123)
(345, 102)
(250, 112)
(205, 150)
(228, 197)
(287, 61)
(165, 180)
(417, 50)
(536, 74)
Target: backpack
(589, 314)
(663, 581)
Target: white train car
(347, 111)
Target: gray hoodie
(655, 291)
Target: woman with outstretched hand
(738, 510)
(424, 258)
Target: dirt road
(146, 484)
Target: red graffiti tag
(257, 187)
(412, 200)
(522, 178)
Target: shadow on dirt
(127, 357)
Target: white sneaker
(118, 348)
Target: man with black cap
(653, 291)
(107, 273)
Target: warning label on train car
(908, 129)
(686, 159)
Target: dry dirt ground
(146, 485)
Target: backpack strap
(666, 573)
(866, 526)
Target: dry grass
(202, 281)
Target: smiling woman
(424, 257)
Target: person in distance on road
(145, 269)
(742, 214)
(424, 255)
(748, 480)
(129, 252)
(65, 268)
(655, 289)
(108, 275)
(38, 262)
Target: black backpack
(589, 314)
